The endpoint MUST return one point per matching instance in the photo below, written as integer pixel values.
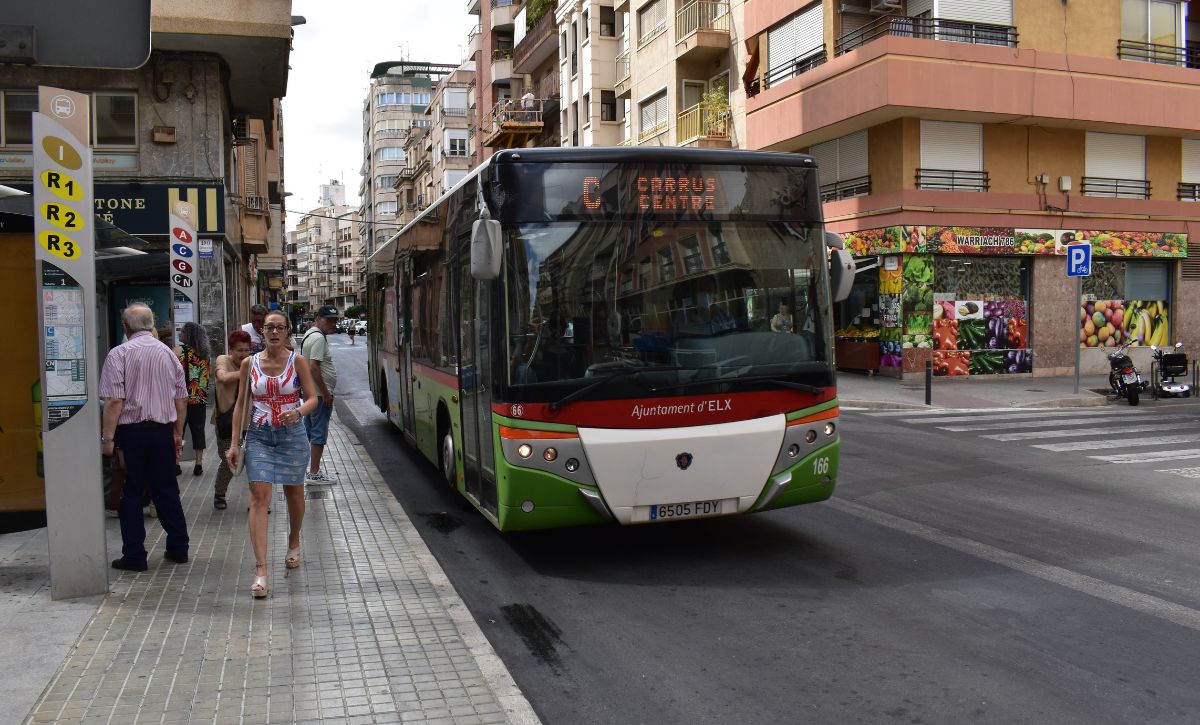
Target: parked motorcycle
(1170, 365)
(1123, 377)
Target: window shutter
(810, 31)
(781, 44)
(248, 156)
(916, 8)
(993, 12)
(1147, 280)
(826, 156)
(852, 156)
(951, 146)
(1115, 156)
(1191, 161)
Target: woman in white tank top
(276, 444)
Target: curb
(1094, 401)
(884, 405)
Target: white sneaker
(319, 477)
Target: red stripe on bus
(823, 415)
(515, 433)
(673, 412)
(436, 375)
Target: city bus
(629, 335)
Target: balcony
(255, 204)
(952, 180)
(955, 31)
(860, 186)
(1114, 188)
(504, 13)
(789, 69)
(702, 30)
(704, 126)
(511, 124)
(1161, 54)
(474, 7)
(474, 41)
(1188, 191)
(538, 45)
(452, 112)
(648, 133)
(391, 133)
(502, 65)
(623, 86)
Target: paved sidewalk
(367, 630)
(858, 390)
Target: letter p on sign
(1079, 260)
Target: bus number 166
(821, 466)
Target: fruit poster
(1109, 323)
(917, 300)
(1009, 241)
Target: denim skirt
(277, 454)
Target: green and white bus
(636, 335)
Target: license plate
(1129, 378)
(688, 510)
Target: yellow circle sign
(62, 185)
(62, 153)
(60, 245)
(63, 217)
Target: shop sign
(141, 209)
(1009, 241)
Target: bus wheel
(384, 405)
(447, 458)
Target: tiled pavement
(367, 630)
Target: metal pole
(1075, 325)
(929, 382)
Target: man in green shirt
(315, 348)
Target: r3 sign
(1079, 260)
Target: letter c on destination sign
(182, 250)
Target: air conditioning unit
(885, 6)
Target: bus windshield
(663, 308)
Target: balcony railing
(652, 131)
(391, 133)
(1189, 191)
(952, 180)
(792, 68)
(535, 47)
(1162, 54)
(703, 121)
(702, 15)
(1114, 188)
(622, 64)
(453, 111)
(502, 54)
(255, 204)
(548, 86)
(846, 189)
(955, 31)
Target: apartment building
(396, 102)
(673, 72)
(199, 121)
(325, 255)
(492, 43)
(966, 147)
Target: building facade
(325, 255)
(396, 102)
(965, 147)
(198, 122)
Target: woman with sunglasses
(276, 444)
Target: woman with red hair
(228, 374)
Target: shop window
(1126, 302)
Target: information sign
(1079, 260)
(184, 262)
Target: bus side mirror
(485, 249)
(841, 273)
(833, 240)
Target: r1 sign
(1079, 260)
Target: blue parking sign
(1079, 260)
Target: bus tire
(446, 459)
(383, 398)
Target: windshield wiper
(782, 382)
(601, 382)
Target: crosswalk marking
(1033, 423)
(1125, 443)
(1076, 432)
(1151, 457)
(1018, 416)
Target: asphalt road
(957, 575)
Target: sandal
(292, 560)
(219, 502)
(259, 589)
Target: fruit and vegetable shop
(964, 298)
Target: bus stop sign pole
(1079, 265)
(65, 266)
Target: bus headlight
(524, 450)
(829, 429)
(550, 454)
(810, 436)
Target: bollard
(1153, 381)
(929, 382)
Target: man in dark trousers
(145, 406)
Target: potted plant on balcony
(715, 107)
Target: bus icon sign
(1079, 260)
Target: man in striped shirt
(145, 405)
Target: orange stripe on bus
(516, 433)
(823, 415)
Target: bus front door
(476, 415)
(405, 397)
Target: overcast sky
(332, 57)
